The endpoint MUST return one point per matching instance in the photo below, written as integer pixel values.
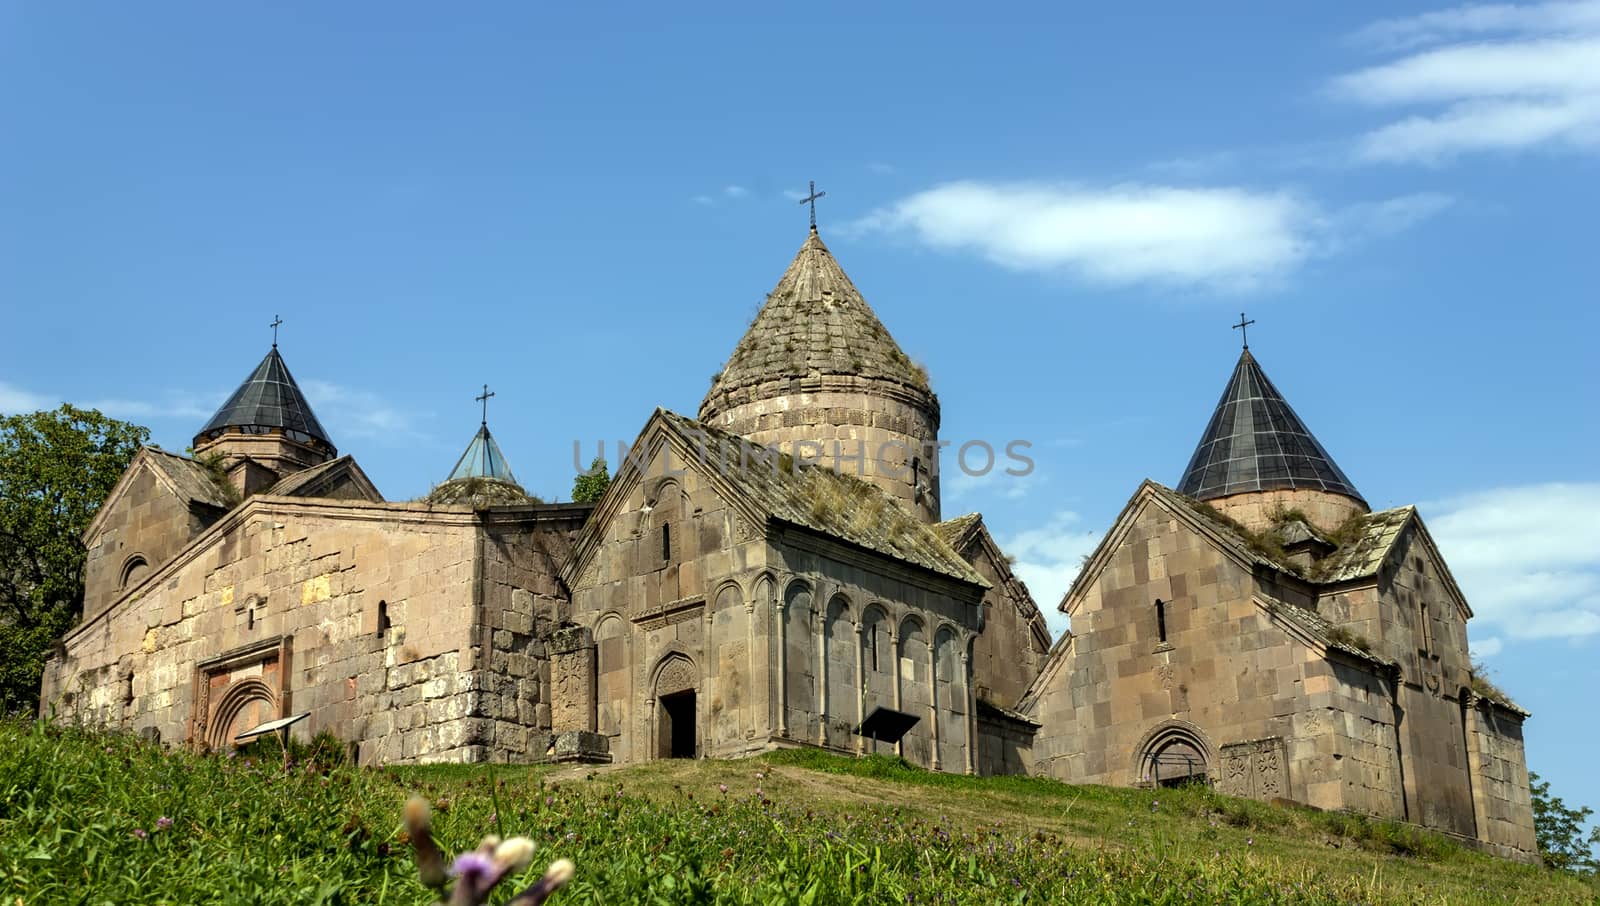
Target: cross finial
(812, 200)
(274, 325)
(1243, 328)
(484, 399)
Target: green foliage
(216, 466)
(81, 821)
(56, 467)
(1344, 636)
(1484, 686)
(325, 752)
(1559, 829)
(590, 486)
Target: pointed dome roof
(1256, 442)
(483, 459)
(268, 399)
(815, 322)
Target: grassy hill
(81, 822)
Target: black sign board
(887, 724)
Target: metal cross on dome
(484, 399)
(1243, 328)
(274, 325)
(812, 200)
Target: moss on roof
(821, 499)
(814, 322)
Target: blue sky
(1059, 215)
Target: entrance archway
(1174, 754)
(676, 730)
(244, 705)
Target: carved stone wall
(1258, 769)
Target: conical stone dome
(818, 375)
(1258, 455)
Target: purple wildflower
(722, 787)
(140, 833)
(473, 866)
(163, 823)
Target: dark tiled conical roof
(1255, 442)
(815, 322)
(483, 459)
(268, 399)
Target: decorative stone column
(933, 700)
(972, 707)
(819, 627)
(861, 690)
(894, 656)
(782, 610)
(572, 705)
(750, 663)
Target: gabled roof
(955, 530)
(268, 399)
(317, 480)
(814, 323)
(184, 478)
(1256, 442)
(968, 536)
(818, 499)
(483, 459)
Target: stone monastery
(1257, 628)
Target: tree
(56, 467)
(591, 485)
(1559, 830)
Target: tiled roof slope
(1256, 442)
(814, 322)
(193, 481)
(822, 500)
(952, 530)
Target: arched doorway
(1174, 754)
(245, 704)
(676, 733)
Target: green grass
(795, 827)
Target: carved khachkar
(676, 676)
(1258, 769)
(572, 680)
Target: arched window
(133, 570)
(383, 619)
(666, 542)
(1161, 619)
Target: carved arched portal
(244, 705)
(676, 684)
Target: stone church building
(768, 574)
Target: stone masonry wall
(367, 610)
(1255, 509)
(875, 430)
(147, 521)
(1227, 673)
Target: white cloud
(1048, 558)
(1528, 558)
(1487, 78)
(1486, 648)
(173, 404)
(735, 191)
(959, 484)
(353, 412)
(1477, 20)
(14, 400)
(1224, 238)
